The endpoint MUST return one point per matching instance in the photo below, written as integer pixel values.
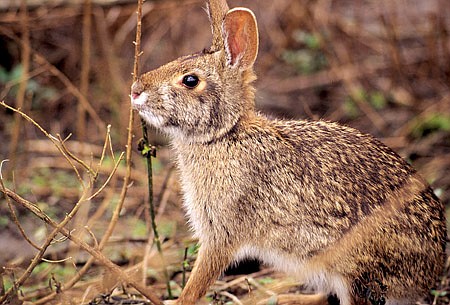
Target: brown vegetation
(382, 67)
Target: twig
(57, 261)
(150, 151)
(69, 284)
(59, 144)
(137, 42)
(54, 140)
(107, 144)
(14, 215)
(231, 297)
(19, 226)
(106, 202)
(75, 158)
(92, 236)
(96, 254)
(38, 257)
(85, 68)
(92, 251)
(26, 53)
(108, 179)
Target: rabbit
(330, 205)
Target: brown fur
(329, 204)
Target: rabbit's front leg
(211, 261)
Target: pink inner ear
(235, 49)
(236, 39)
(240, 34)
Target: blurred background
(380, 66)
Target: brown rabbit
(324, 202)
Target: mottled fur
(331, 205)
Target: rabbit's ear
(217, 10)
(240, 35)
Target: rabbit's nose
(136, 89)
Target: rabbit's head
(200, 97)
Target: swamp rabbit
(332, 206)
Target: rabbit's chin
(139, 103)
(151, 118)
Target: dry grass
(383, 67)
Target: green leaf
(439, 293)
(266, 280)
(193, 249)
(4, 221)
(16, 73)
(431, 123)
(377, 100)
(312, 41)
(146, 150)
(139, 229)
(3, 75)
(305, 61)
(350, 108)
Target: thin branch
(13, 212)
(57, 261)
(116, 213)
(26, 54)
(85, 68)
(231, 297)
(106, 235)
(100, 257)
(75, 158)
(92, 236)
(137, 42)
(54, 140)
(107, 143)
(109, 177)
(39, 255)
(151, 151)
(19, 226)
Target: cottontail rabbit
(324, 202)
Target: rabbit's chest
(210, 187)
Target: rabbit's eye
(190, 81)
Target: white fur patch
(151, 119)
(140, 104)
(322, 281)
(270, 257)
(140, 100)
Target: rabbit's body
(334, 207)
(329, 215)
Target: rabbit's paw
(170, 302)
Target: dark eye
(190, 81)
